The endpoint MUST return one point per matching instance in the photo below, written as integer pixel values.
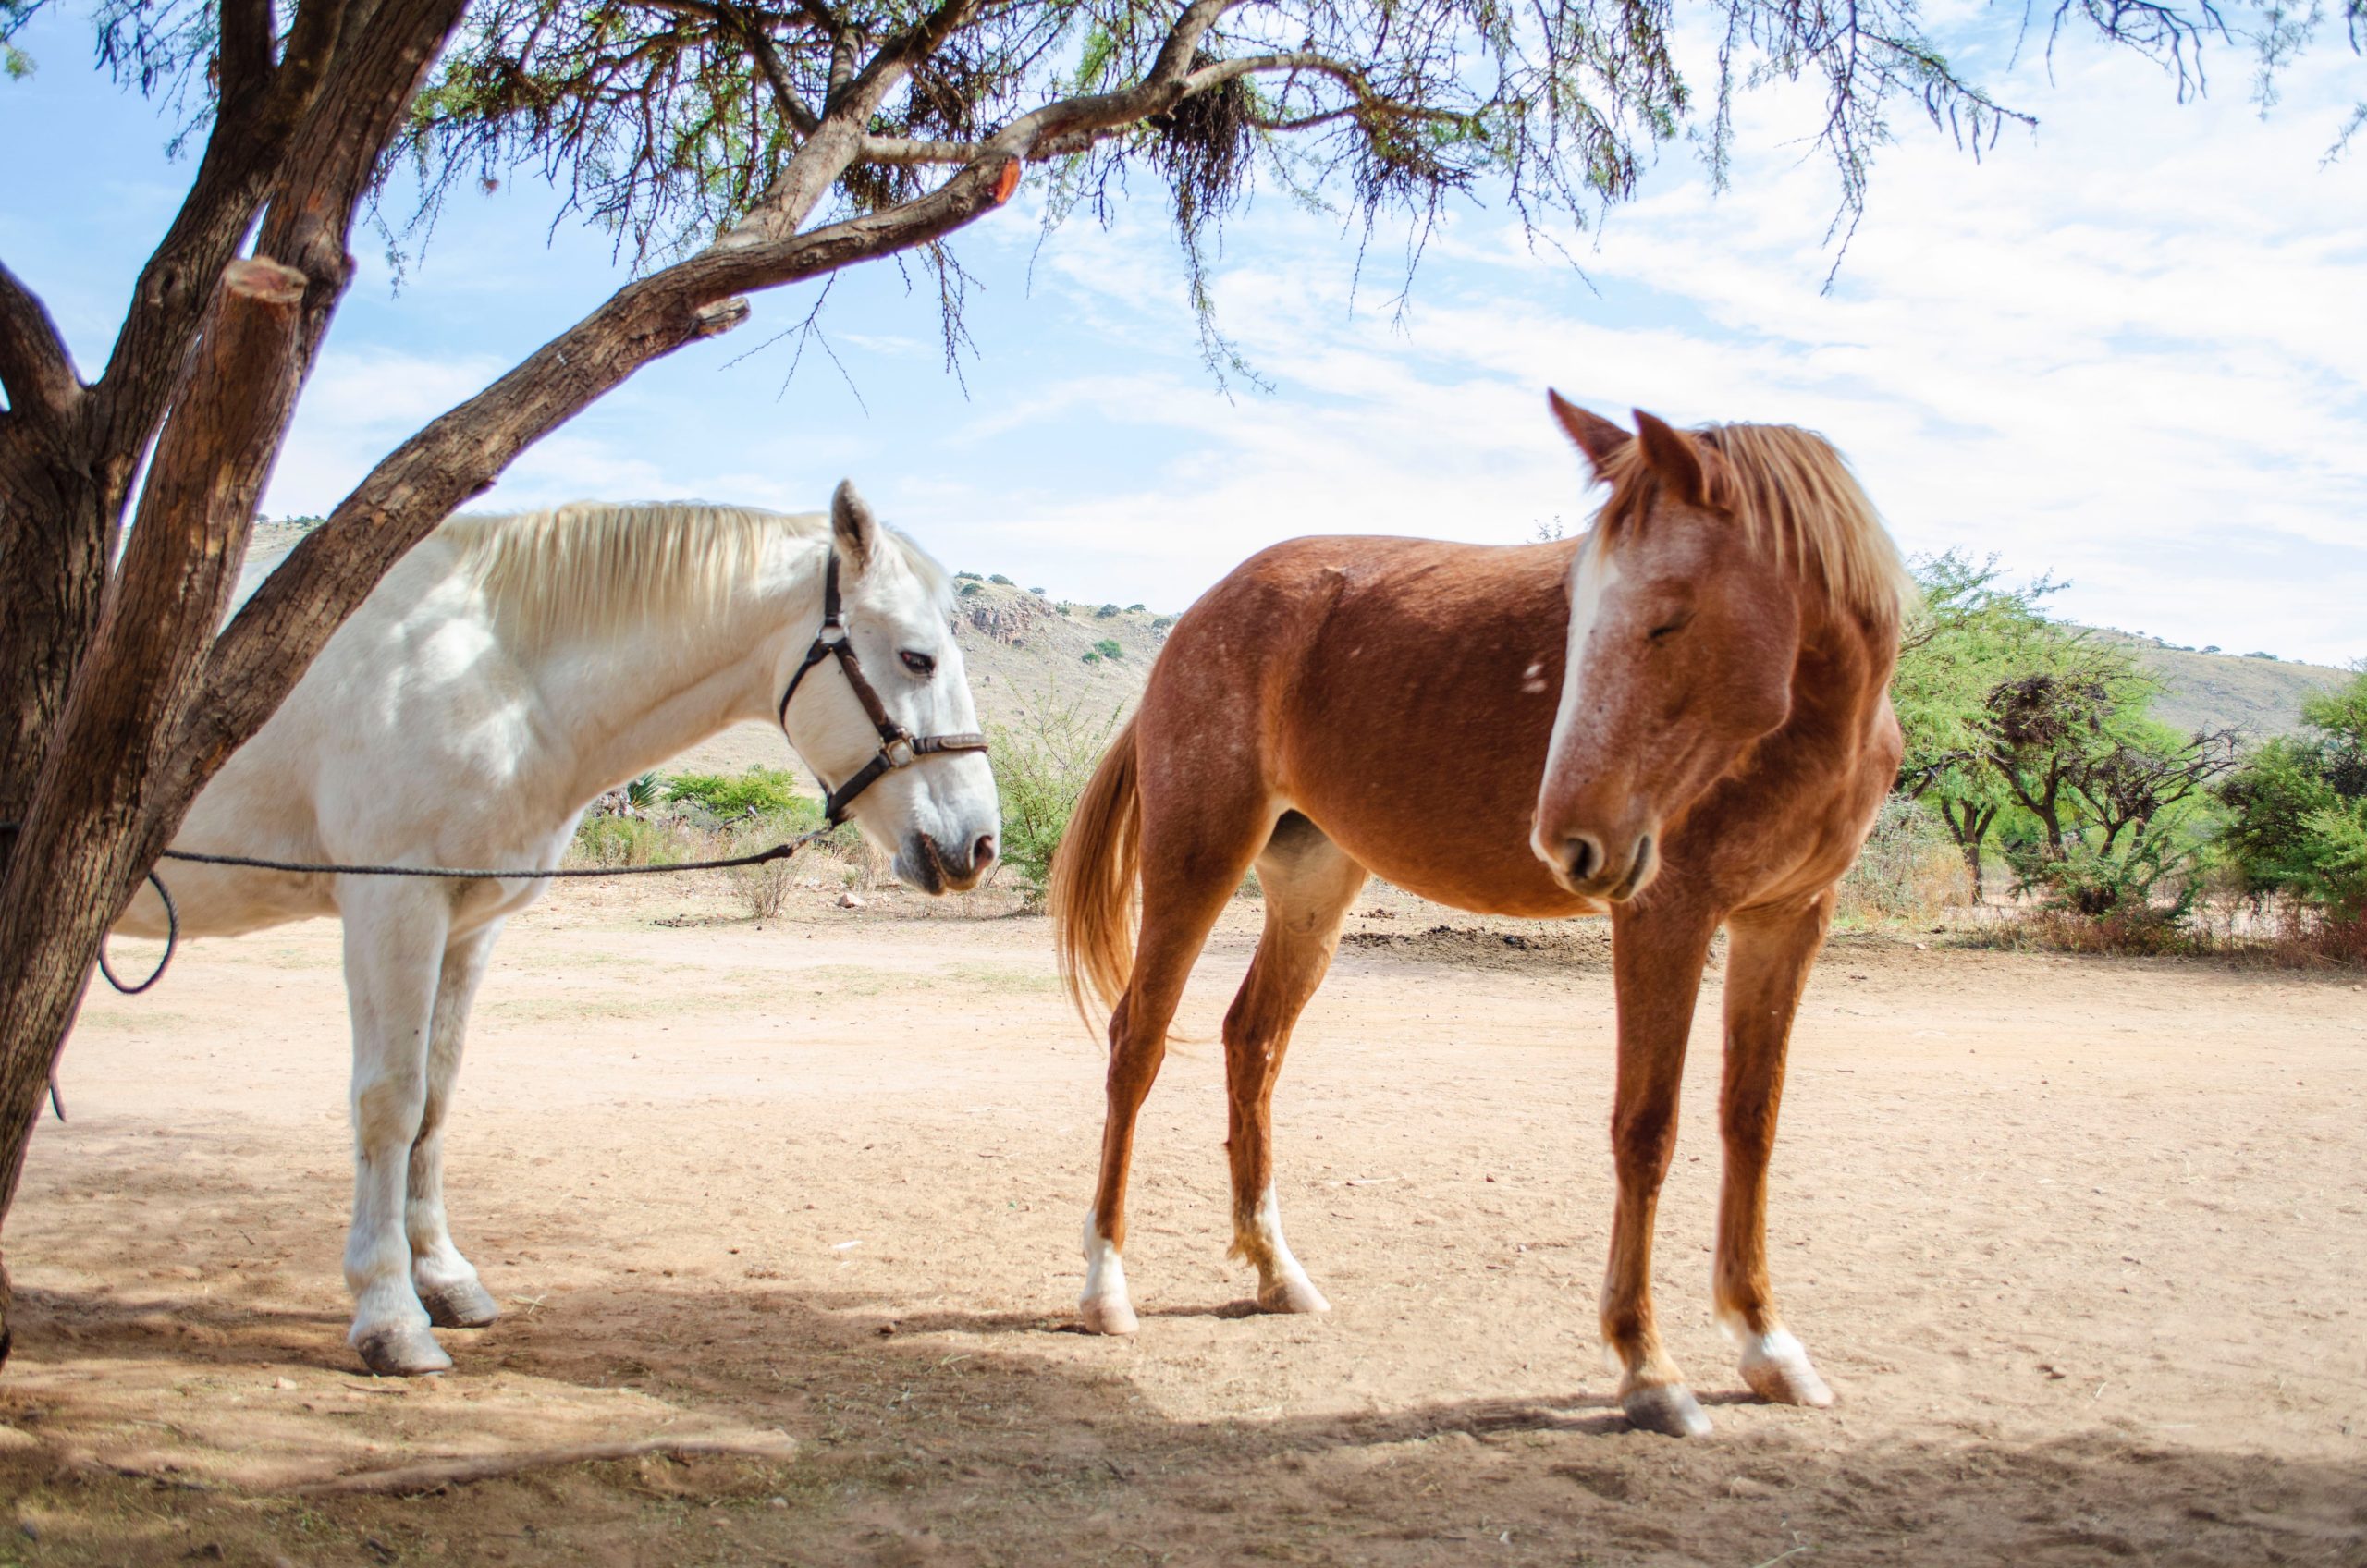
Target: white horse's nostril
(982, 854)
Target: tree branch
(261, 653)
(35, 368)
(751, 30)
(242, 155)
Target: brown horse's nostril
(982, 854)
(1583, 855)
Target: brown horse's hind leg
(1766, 966)
(1185, 889)
(1308, 882)
(1659, 947)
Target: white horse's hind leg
(394, 957)
(447, 1282)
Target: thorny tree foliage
(667, 120)
(664, 119)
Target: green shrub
(1041, 769)
(1134, 609)
(1091, 658)
(965, 577)
(760, 792)
(1109, 649)
(970, 588)
(1005, 581)
(1105, 612)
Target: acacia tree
(738, 145)
(1969, 635)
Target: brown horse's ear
(1671, 454)
(1592, 433)
(852, 526)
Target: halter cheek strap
(899, 747)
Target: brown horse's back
(1406, 689)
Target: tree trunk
(91, 828)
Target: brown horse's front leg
(1769, 956)
(1657, 954)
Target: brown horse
(1341, 706)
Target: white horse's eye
(920, 665)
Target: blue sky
(2126, 348)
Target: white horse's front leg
(447, 1282)
(394, 958)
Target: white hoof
(1669, 1409)
(1107, 1315)
(1292, 1295)
(403, 1350)
(1778, 1371)
(465, 1304)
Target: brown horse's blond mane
(1793, 496)
(590, 568)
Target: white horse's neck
(618, 707)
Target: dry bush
(2308, 938)
(1909, 870)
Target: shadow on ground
(960, 1438)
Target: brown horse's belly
(1420, 709)
(1450, 863)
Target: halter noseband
(899, 747)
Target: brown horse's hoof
(1778, 1371)
(405, 1352)
(466, 1304)
(1290, 1295)
(1106, 1315)
(1669, 1409)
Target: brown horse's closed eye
(1680, 720)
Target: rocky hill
(2256, 694)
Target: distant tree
(1109, 649)
(1968, 635)
(2298, 809)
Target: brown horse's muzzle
(1594, 850)
(1615, 869)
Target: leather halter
(899, 747)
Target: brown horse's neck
(1841, 671)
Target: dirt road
(2079, 1244)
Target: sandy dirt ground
(2079, 1243)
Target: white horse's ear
(852, 526)
(1590, 433)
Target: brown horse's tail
(1094, 874)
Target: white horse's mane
(589, 568)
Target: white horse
(506, 672)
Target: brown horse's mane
(1793, 496)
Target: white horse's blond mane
(589, 568)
